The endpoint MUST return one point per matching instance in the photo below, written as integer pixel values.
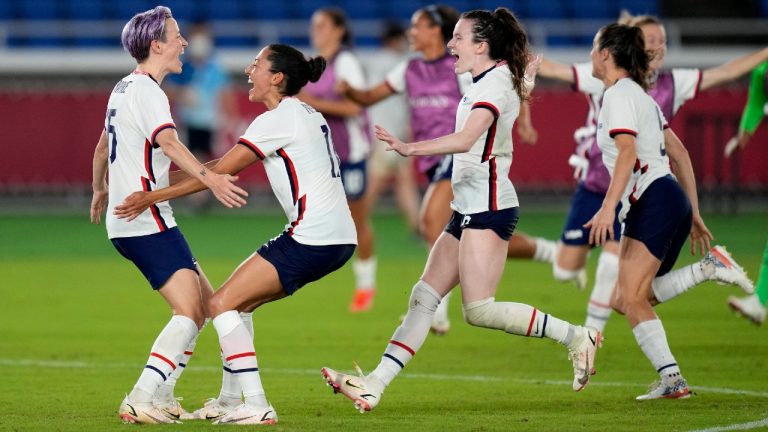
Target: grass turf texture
(78, 321)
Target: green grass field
(78, 321)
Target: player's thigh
(436, 209)
(482, 255)
(637, 269)
(182, 293)
(253, 283)
(442, 269)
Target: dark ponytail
(295, 67)
(506, 40)
(627, 46)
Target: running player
(136, 149)
(639, 151)
(294, 142)
(434, 92)
(671, 89)
(350, 129)
(472, 251)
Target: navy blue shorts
(584, 204)
(157, 256)
(299, 264)
(661, 219)
(354, 177)
(502, 222)
(442, 170)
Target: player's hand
(134, 205)
(342, 88)
(601, 226)
(527, 132)
(580, 165)
(225, 190)
(531, 70)
(738, 142)
(393, 143)
(701, 238)
(98, 204)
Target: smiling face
(173, 47)
(463, 48)
(259, 75)
(656, 42)
(422, 31)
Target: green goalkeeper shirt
(756, 101)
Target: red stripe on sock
(245, 354)
(403, 346)
(154, 354)
(530, 325)
(189, 353)
(598, 304)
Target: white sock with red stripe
(599, 306)
(678, 281)
(652, 339)
(230, 386)
(411, 334)
(165, 392)
(237, 346)
(164, 357)
(519, 319)
(365, 273)
(545, 250)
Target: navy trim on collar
(479, 77)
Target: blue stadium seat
(267, 10)
(362, 9)
(183, 10)
(6, 10)
(402, 9)
(40, 9)
(546, 9)
(303, 9)
(593, 9)
(638, 7)
(84, 9)
(124, 10)
(222, 9)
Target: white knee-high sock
(237, 346)
(599, 306)
(230, 386)
(519, 319)
(164, 357)
(411, 334)
(545, 250)
(441, 314)
(165, 392)
(678, 281)
(365, 273)
(652, 339)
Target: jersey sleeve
(756, 100)
(269, 133)
(349, 69)
(687, 83)
(584, 82)
(491, 96)
(395, 79)
(153, 112)
(619, 114)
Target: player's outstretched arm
(99, 182)
(365, 97)
(732, 70)
(222, 186)
(557, 71)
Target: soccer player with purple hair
(135, 151)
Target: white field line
(735, 427)
(74, 364)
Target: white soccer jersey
(628, 109)
(295, 143)
(136, 112)
(348, 68)
(593, 89)
(686, 86)
(480, 176)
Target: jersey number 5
(111, 131)
(331, 153)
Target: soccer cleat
(211, 410)
(363, 300)
(662, 390)
(355, 388)
(130, 412)
(583, 356)
(749, 307)
(245, 414)
(172, 409)
(726, 270)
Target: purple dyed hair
(142, 29)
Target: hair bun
(316, 68)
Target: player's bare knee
(424, 298)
